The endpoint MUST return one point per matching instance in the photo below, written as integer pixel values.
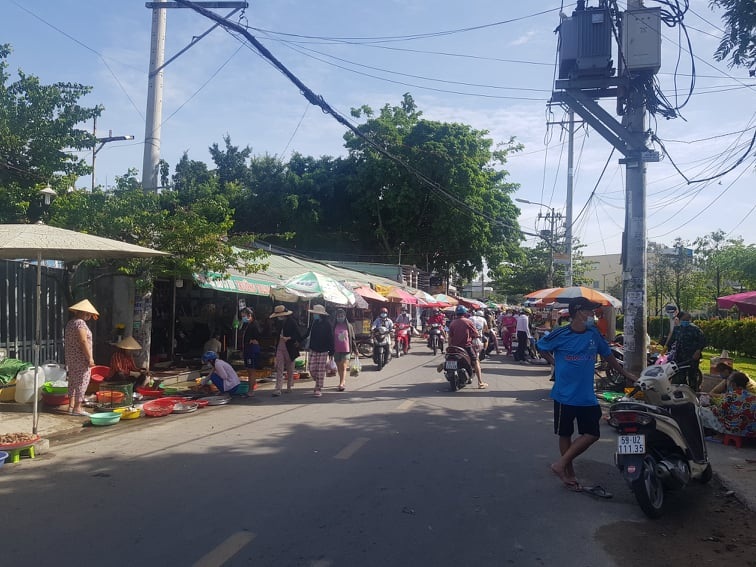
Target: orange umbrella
(565, 294)
(541, 293)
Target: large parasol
(565, 294)
(312, 285)
(41, 242)
(745, 302)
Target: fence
(18, 282)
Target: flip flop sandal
(598, 491)
(482, 386)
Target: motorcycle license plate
(631, 444)
(450, 365)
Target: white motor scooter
(661, 442)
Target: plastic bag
(331, 367)
(355, 367)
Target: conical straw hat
(129, 343)
(85, 306)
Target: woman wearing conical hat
(122, 365)
(77, 342)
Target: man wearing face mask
(686, 344)
(572, 350)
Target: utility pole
(585, 75)
(102, 142)
(552, 218)
(570, 178)
(154, 115)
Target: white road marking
(351, 449)
(405, 405)
(225, 550)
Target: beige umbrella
(41, 242)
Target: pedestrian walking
(523, 336)
(321, 346)
(343, 345)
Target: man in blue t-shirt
(572, 350)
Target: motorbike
(401, 339)
(436, 338)
(381, 346)
(661, 443)
(365, 345)
(608, 377)
(457, 368)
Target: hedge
(738, 337)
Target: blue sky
(505, 72)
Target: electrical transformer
(641, 40)
(585, 43)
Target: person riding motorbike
(383, 320)
(440, 319)
(462, 331)
(481, 325)
(404, 317)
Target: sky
(486, 63)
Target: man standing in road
(523, 336)
(462, 331)
(572, 350)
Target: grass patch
(741, 363)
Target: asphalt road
(397, 470)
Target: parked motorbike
(457, 368)
(401, 338)
(365, 345)
(436, 338)
(661, 442)
(381, 346)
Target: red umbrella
(398, 294)
(745, 302)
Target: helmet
(404, 309)
(384, 310)
(209, 356)
(460, 310)
(479, 313)
(436, 311)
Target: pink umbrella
(369, 293)
(745, 302)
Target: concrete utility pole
(570, 178)
(585, 75)
(552, 218)
(154, 115)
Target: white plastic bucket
(25, 385)
(54, 372)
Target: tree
(38, 131)
(739, 41)
(394, 206)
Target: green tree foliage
(394, 206)
(38, 131)
(739, 41)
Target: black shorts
(588, 419)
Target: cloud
(523, 39)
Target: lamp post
(109, 138)
(552, 218)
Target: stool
(737, 440)
(14, 455)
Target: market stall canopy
(471, 303)
(427, 300)
(312, 285)
(443, 298)
(42, 242)
(565, 294)
(236, 282)
(369, 293)
(745, 302)
(397, 294)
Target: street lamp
(109, 138)
(552, 218)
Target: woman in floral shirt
(78, 352)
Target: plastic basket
(158, 408)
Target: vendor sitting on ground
(734, 412)
(223, 375)
(726, 372)
(122, 365)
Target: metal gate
(18, 282)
